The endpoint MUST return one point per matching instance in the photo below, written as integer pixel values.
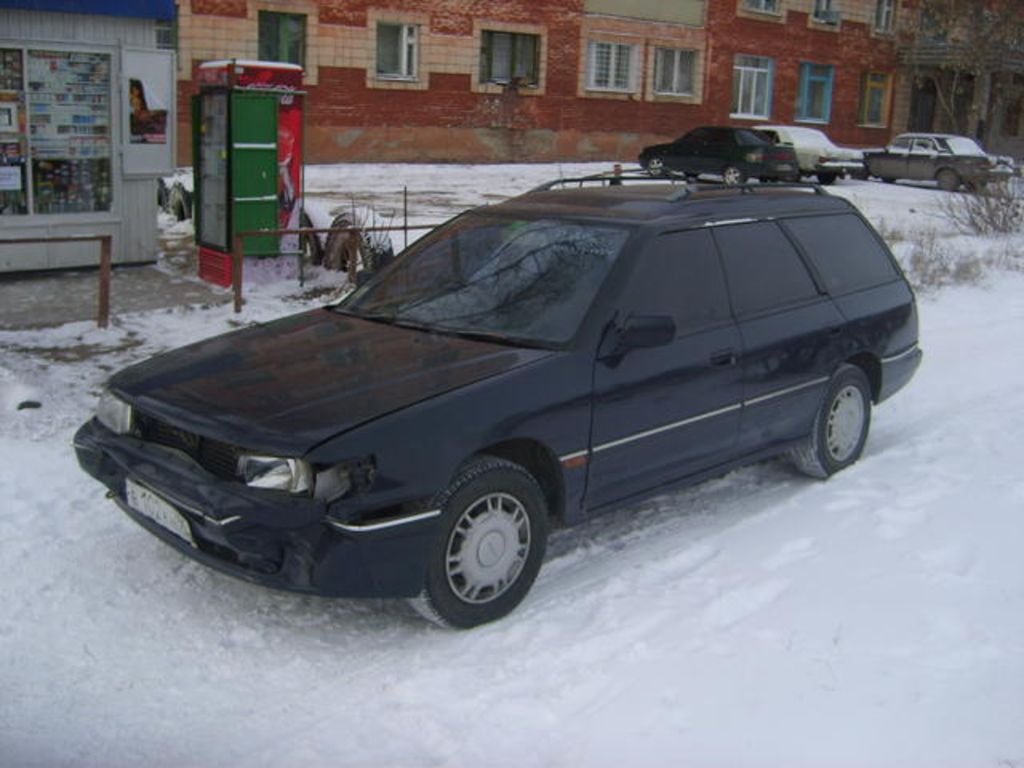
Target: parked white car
(816, 153)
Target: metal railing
(105, 241)
(351, 249)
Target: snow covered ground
(760, 619)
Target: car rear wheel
(840, 426)
(948, 180)
(826, 178)
(490, 547)
(732, 175)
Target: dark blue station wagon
(524, 366)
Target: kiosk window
(69, 131)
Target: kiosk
(87, 119)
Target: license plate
(784, 167)
(148, 504)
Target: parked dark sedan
(524, 366)
(951, 161)
(735, 154)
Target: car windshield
(525, 281)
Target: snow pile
(760, 619)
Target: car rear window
(847, 255)
(763, 268)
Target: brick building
(542, 80)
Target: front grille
(217, 458)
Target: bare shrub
(889, 233)
(995, 209)
(932, 264)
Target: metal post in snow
(405, 216)
(236, 273)
(103, 311)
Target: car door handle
(723, 358)
(836, 331)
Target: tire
(840, 427)
(948, 180)
(888, 180)
(655, 166)
(732, 175)
(490, 547)
(179, 202)
(825, 178)
(312, 248)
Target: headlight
(275, 473)
(114, 413)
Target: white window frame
(677, 55)
(408, 52)
(760, 79)
(763, 6)
(616, 53)
(885, 15)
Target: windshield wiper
(491, 336)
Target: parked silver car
(816, 153)
(951, 161)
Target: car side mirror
(640, 332)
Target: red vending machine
(247, 161)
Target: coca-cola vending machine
(247, 161)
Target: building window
(167, 34)
(282, 37)
(767, 6)
(509, 57)
(885, 15)
(825, 13)
(874, 99)
(752, 86)
(673, 71)
(610, 66)
(397, 51)
(815, 94)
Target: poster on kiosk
(247, 159)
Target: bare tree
(969, 50)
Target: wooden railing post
(103, 311)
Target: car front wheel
(733, 175)
(655, 166)
(840, 426)
(825, 177)
(490, 547)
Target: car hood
(287, 386)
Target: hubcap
(732, 176)
(655, 166)
(845, 423)
(487, 548)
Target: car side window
(847, 255)
(902, 144)
(763, 269)
(679, 275)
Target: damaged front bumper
(272, 538)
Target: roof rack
(687, 187)
(610, 179)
